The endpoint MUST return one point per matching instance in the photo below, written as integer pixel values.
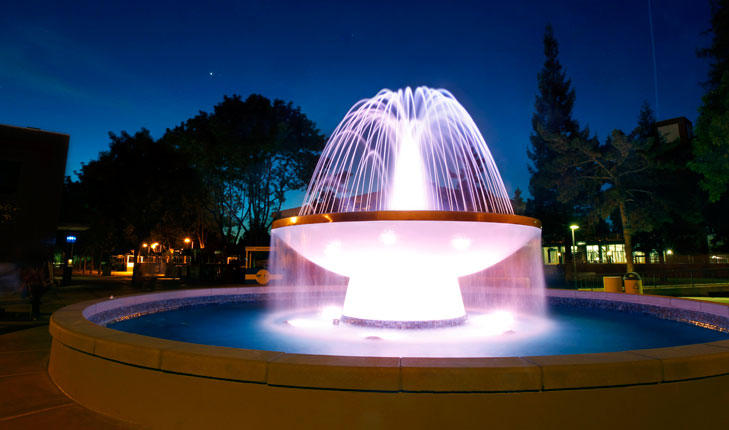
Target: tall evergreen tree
(711, 145)
(552, 116)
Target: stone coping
(72, 327)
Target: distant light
(70, 261)
(211, 73)
(70, 239)
(574, 227)
(187, 240)
(144, 245)
(669, 252)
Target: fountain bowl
(403, 266)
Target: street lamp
(188, 240)
(574, 227)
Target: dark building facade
(32, 168)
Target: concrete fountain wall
(168, 384)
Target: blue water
(566, 331)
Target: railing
(662, 278)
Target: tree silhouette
(249, 153)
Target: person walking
(33, 279)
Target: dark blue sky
(87, 68)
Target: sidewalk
(28, 397)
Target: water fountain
(407, 182)
(407, 206)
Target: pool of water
(565, 330)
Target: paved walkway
(28, 397)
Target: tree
(518, 203)
(673, 188)
(249, 154)
(621, 175)
(711, 144)
(552, 117)
(138, 187)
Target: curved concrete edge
(71, 328)
(162, 400)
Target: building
(32, 168)
(676, 129)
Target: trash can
(105, 269)
(633, 283)
(612, 284)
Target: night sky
(87, 68)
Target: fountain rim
(412, 215)
(71, 326)
(102, 369)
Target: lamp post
(574, 227)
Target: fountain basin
(403, 266)
(168, 384)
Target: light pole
(574, 227)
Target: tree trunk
(627, 237)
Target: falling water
(407, 150)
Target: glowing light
(493, 324)
(388, 237)
(330, 313)
(460, 243)
(144, 245)
(408, 189)
(574, 227)
(187, 240)
(332, 248)
(307, 323)
(669, 252)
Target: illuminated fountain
(406, 198)
(407, 207)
